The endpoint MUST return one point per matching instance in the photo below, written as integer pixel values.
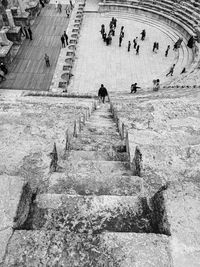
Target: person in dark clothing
(183, 70)
(171, 71)
(137, 50)
(135, 42)
(129, 46)
(26, 33)
(157, 46)
(191, 42)
(134, 88)
(71, 5)
(102, 93)
(102, 31)
(143, 33)
(122, 32)
(62, 41)
(30, 33)
(3, 68)
(154, 46)
(46, 58)
(120, 40)
(66, 37)
(167, 51)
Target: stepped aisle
(94, 211)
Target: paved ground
(28, 70)
(97, 63)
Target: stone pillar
(10, 18)
(21, 6)
(3, 38)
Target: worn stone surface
(144, 250)
(92, 213)
(10, 194)
(4, 238)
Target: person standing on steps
(66, 37)
(167, 51)
(102, 93)
(129, 46)
(171, 71)
(30, 33)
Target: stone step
(95, 177)
(80, 214)
(83, 184)
(95, 142)
(54, 248)
(111, 155)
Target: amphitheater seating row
(185, 11)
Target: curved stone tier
(182, 14)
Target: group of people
(107, 38)
(68, 8)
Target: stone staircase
(94, 211)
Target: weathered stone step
(97, 184)
(109, 155)
(80, 214)
(96, 142)
(54, 248)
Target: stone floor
(115, 67)
(28, 70)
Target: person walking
(30, 33)
(171, 71)
(102, 31)
(63, 41)
(71, 5)
(167, 51)
(67, 11)
(66, 37)
(157, 46)
(102, 93)
(134, 88)
(120, 41)
(154, 46)
(137, 50)
(46, 58)
(129, 46)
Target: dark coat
(102, 91)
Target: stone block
(11, 188)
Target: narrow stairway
(93, 213)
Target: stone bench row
(187, 14)
(73, 34)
